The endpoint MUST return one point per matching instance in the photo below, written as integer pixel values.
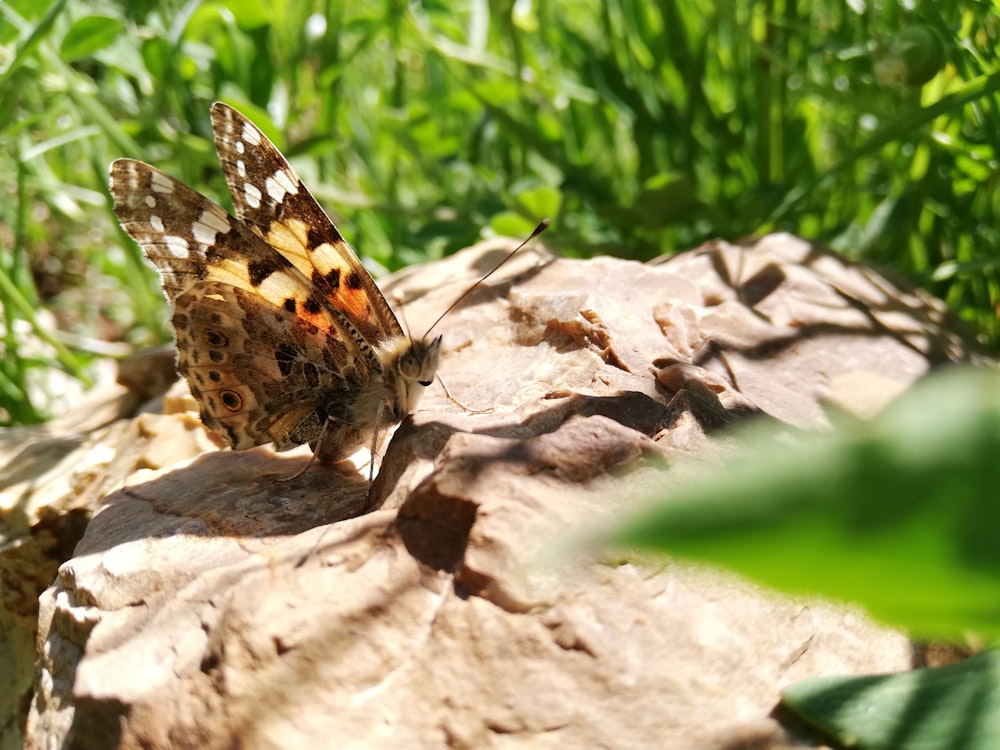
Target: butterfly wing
(269, 196)
(265, 353)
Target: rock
(224, 598)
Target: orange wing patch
(339, 282)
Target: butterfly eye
(408, 366)
(425, 383)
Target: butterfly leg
(312, 458)
(337, 441)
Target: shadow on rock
(253, 493)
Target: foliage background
(641, 127)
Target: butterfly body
(282, 334)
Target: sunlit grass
(640, 128)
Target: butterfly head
(416, 368)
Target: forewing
(269, 196)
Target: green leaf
(29, 45)
(510, 224)
(540, 202)
(156, 55)
(250, 14)
(956, 707)
(900, 514)
(88, 36)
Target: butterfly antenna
(398, 300)
(542, 226)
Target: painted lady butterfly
(282, 334)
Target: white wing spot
(161, 183)
(241, 168)
(209, 224)
(149, 201)
(216, 218)
(156, 223)
(280, 185)
(250, 134)
(240, 148)
(279, 285)
(176, 246)
(253, 195)
(274, 190)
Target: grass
(642, 127)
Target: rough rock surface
(218, 599)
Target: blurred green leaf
(900, 514)
(914, 56)
(509, 224)
(251, 14)
(539, 202)
(89, 35)
(29, 43)
(955, 707)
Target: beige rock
(222, 600)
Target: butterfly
(282, 334)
